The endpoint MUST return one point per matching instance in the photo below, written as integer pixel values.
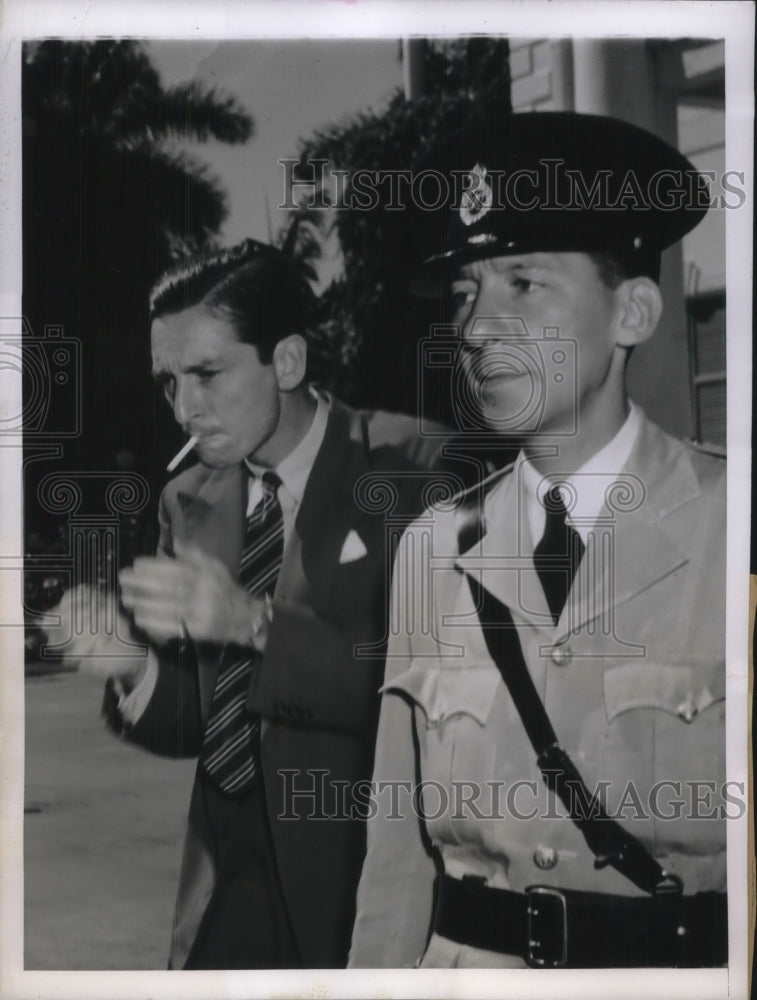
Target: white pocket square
(353, 548)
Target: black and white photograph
(375, 424)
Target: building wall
(533, 75)
(654, 85)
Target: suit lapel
(327, 513)
(213, 520)
(213, 516)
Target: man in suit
(264, 611)
(575, 658)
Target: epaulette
(483, 486)
(707, 448)
(469, 514)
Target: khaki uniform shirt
(632, 677)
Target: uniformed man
(550, 761)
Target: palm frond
(191, 110)
(184, 195)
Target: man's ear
(290, 361)
(640, 308)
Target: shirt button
(545, 857)
(687, 709)
(562, 655)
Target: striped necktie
(558, 553)
(231, 734)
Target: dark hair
(611, 269)
(254, 286)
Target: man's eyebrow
(202, 366)
(198, 367)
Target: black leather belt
(554, 928)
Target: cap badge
(477, 199)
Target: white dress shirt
(293, 471)
(584, 490)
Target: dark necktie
(231, 734)
(558, 553)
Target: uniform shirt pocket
(664, 741)
(681, 690)
(454, 721)
(443, 691)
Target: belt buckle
(542, 904)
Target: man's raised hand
(193, 595)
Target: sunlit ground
(103, 833)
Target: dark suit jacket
(317, 699)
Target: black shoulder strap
(470, 518)
(607, 840)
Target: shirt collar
(589, 483)
(294, 470)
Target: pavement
(103, 832)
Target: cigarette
(182, 454)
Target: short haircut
(252, 285)
(611, 269)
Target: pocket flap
(679, 689)
(443, 691)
